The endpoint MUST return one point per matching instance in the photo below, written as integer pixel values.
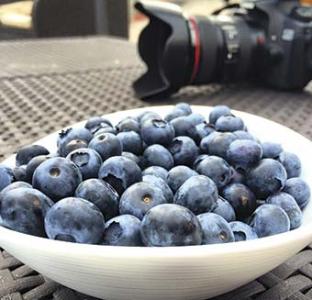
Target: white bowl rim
(277, 240)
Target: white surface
(196, 272)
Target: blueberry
(16, 185)
(105, 129)
(241, 198)
(299, 189)
(107, 145)
(184, 107)
(224, 209)
(175, 113)
(289, 205)
(157, 131)
(198, 193)
(269, 219)
(203, 130)
(6, 176)
(57, 178)
(156, 171)
(23, 209)
(147, 115)
(101, 194)
(199, 159)
(291, 163)
(123, 230)
(243, 154)
(158, 155)
(183, 126)
(131, 156)
(33, 165)
(26, 153)
(75, 220)
(196, 119)
(19, 173)
(217, 143)
(97, 122)
(73, 145)
(131, 141)
(267, 178)
(139, 198)
(229, 123)
(243, 135)
(120, 172)
(161, 184)
(178, 175)
(271, 150)
(217, 169)
(216, 229)
(128, 124)
(242, 231)
(217, 112)
(183, 150)
(67, 135)
(237, 177)
(170, 225)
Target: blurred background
(22, 19)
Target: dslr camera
(266, 41)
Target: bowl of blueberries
(167, 202)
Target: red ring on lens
(196, 45)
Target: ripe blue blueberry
(107, 145)
(101, 194)
(237, 177)
(217, 143)
(128, 124)
(74, 220)
(243, 154)
(170, 225)
(183, 126)
(156, 171)
(161, 184)
(6, 176)
(224, 209)
(19, 173)
(271, 150)
(23, 209)
(198, 193)
(299, 189)
(241, 198)
(158, 155)
(33, 164)
(123, 230)
(57, 178)
(175, 113)
(67, 135)
(267, 178)
(157, 131)
(184, 106)
(26, 153)
(95, 123)
(146, 116)
(105, 129)
(199, 159)
(289, 205)
(73, 145)
(183, 150)
(242, 231)
(291, 163)
(120, 172)
(139, 198)
(131, 141)
(243, 135)
(217, 169)
(131, 156)
(178, 175)
(216, 230)
(229, 123)
(269, 219)
(16, 185)
(203, 130)
(217, 112)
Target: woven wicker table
(45, 85)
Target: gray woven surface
(37, 101)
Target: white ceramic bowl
(194, 272)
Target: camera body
(267, 41)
